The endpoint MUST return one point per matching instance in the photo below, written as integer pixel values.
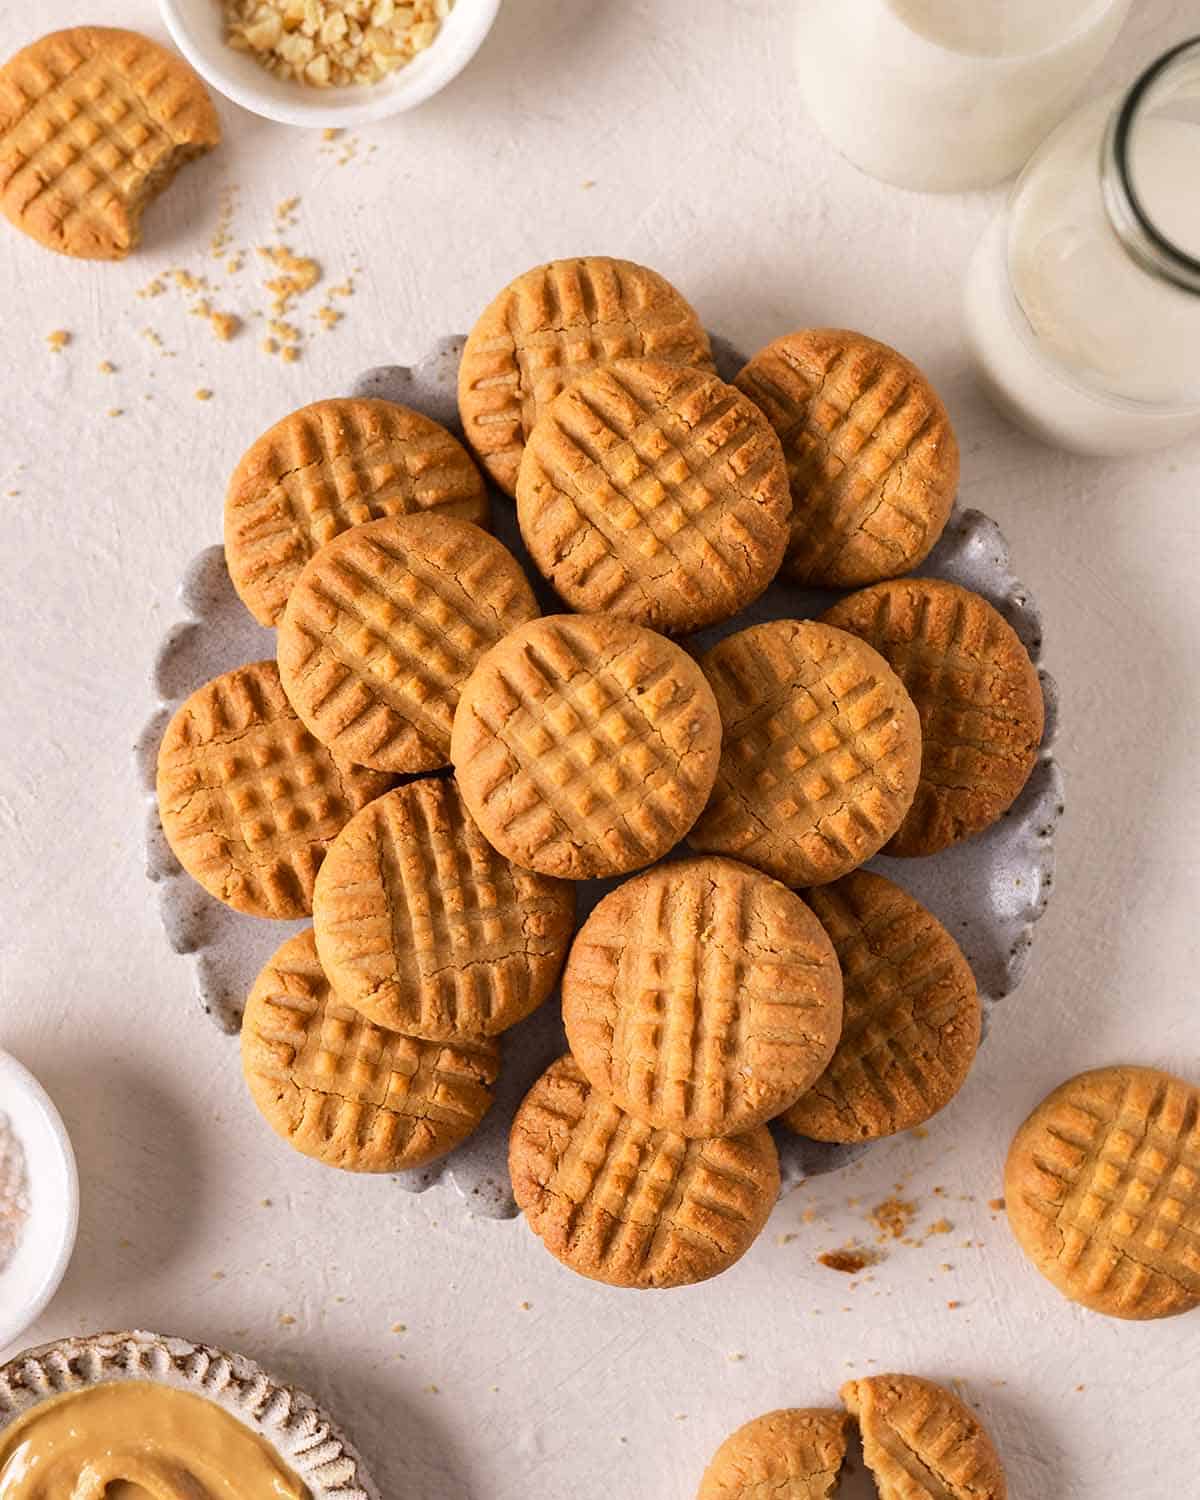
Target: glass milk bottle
(1083, 298)
(943, 95)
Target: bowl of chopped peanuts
(328, 63)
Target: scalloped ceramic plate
(989, 891)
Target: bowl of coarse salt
(39, 1199)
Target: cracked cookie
(654, 492)
(585, 745)
(384, 625)
(556, 322)
(912, 1015)
(871, 454)
(821, 752)
(249, 800)
(978, 695)
(1102, 1188)
(783, 1455)
(346, 1092)
(423, 927)
(326, 468)
(620, 1202)
(702, 997)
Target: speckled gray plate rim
(989, 891)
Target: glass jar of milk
(943, 95)
(1083, 298)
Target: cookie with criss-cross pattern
(783, 1455)
(349, 1093)
(249, 800)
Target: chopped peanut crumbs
(333, 43)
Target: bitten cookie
(346, 1092)
(702, 996)
(654, 492)
(978, 695)
(921, 1442)
(552, 324)
(325, 468)
(425, 929)
(384, 625)
(585, 745)
(784, 1455)
(94, 124)
(870, 451)
(620, 1202)
(912, 1015)
(249, 801)
(1102, 1187)
(821, 751)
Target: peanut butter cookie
(346, 1092)
(249, 801)
(425, 929)
(912, 1015)
(94, 124)
(870, 451)
(654, 492)
(702, 997)
(978, 695)
(384, 625)
(585, 745)
(552, 324)
(620, 1202)
(784, 1455)
(821, 751)
(1103, 1191)
(326, 468)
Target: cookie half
(783, 1455)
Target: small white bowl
(43, 1252)
(197, 28)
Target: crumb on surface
(116, 411)
(893, 1217)
(106, 367)
(286, 1320)
(996, 1205)
(58, 340)
(203, 394)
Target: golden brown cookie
(585, 745)
(249, 801)
(94, 124)
(654, 492)
(553, 323)
(620, 1202)
(424, 928)
(978, 695)
(870, 451)
(1102, 1188)
(821, 752)
(912, 1015)
(384, 625)
(325, 468)
(784, 1455)
(347, 1092)
(702, 996)
(921, 1442)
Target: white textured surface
(685, 118)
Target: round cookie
(585, 745)
(912, 1015)
(425, 929)
(821, 752)
(384, 625)
(783, 1455)
(94, 124)
(552, 324)
(921, 1442)
(326, 468)
(871, 454)
(702, 997)
(1102, 1187)
(654, 492)
(249, 801)
(978, 695)
(346, 1092)
(620, 1202)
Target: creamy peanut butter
(135, 1440)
